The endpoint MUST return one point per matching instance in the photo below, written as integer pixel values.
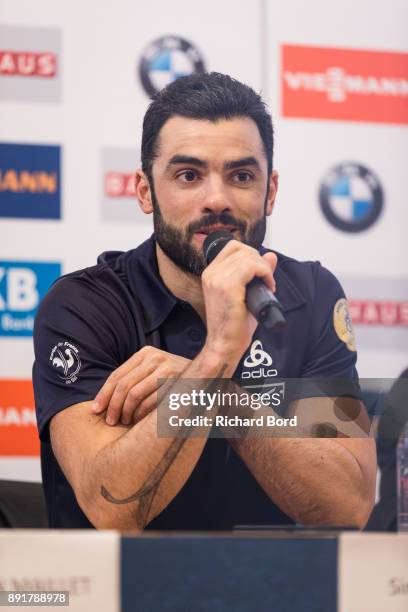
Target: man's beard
(176, 243)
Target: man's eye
(188, 176)
(243, 177)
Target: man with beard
(206, 165)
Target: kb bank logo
(259, 359)
(166, 59)
(22, 287)
(30, 181)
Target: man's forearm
(132, 479)
(314, 481)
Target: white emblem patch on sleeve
(65, 361)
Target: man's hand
(230, 326)
(130, 392)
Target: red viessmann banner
(18, 425)
(344, 84)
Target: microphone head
(214, 243)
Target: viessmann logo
(345, 84)
(30, 181)
(18, 424)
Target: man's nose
(216, 197)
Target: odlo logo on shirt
(258, 357)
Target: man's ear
(273, 188)
(143, 192)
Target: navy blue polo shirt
(89, 324)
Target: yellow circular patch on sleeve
(343, 324)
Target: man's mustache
(223, 218)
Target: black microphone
(260, 300)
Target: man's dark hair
(210, 96)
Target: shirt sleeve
(331, 355)
(331, 348)
(81, 334)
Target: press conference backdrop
(75, 80)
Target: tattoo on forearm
(146, 493)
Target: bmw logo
(167, 58)
(351, 197)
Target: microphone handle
(262, 303)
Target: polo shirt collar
(143, 274)
(287, 292)
(158, 301)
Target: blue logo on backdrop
(30, 181)
(351, 197)
(22, 286)
(166, 59)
